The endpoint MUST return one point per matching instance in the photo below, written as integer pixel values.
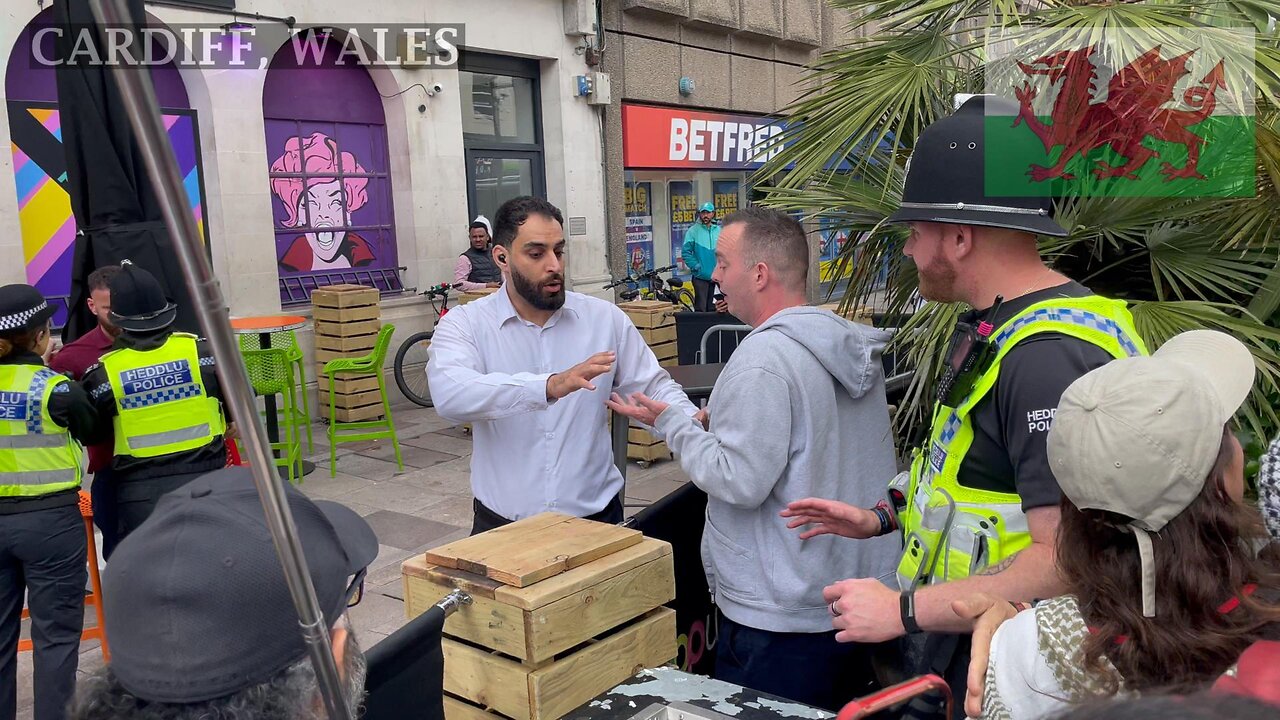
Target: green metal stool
(271, 373)
(370, 364)
(287, 340)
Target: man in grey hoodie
(798, 411)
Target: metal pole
(144, 115)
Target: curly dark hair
(515, 212)
(293, 694)
(1204, 556)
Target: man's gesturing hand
(831, 517)
(579, 376)
(641, 407)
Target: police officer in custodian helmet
(44, 421)
(161, 392)
(978, 510)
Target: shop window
(329, 173)
(502, 130)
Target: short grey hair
(777, 240)
(292, 694)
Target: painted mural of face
(326, 206)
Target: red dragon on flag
(1134, 109)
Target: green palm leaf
(1183, 263)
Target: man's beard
(356, 671)
(938, 281)
(533, 292)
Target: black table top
(669, 685)
(697, 380)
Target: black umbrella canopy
(114, 204)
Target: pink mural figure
(327, 200)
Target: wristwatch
(907, 605)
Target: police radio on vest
(696, 140)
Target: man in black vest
(475, 269)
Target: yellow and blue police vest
(161, 404)
(951, 531)
(37, 456)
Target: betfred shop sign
(662, 138)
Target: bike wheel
(411, 368)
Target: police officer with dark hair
(44, 421)
(161, 392)
(978, 511)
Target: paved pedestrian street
(428, 504)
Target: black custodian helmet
(946, 172)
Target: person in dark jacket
(160, 393)
(44, 421)
(475, 269)
(74, 360)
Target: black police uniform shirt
(1011, 424)
(69, 406)
(124, 468)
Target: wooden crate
(346, 383)
(587, 616)
(470, 295)
(344, 296)
(367, 412)
(323, 355)
(350, 401)
(351, 346)
(649, 314)
(481, 679)
(669, 362)
(346, 315)
(664, 351)
(659, 335)
(648, 453)
(640, 436)
(348, 329)
(534, 549)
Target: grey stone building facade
(696, 86)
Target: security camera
(435, 89)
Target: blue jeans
(810, 668)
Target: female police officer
(44, 419)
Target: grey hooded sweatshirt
(799, 411)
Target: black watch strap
(907, 605)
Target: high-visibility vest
(161, 404)
(37, 455)
(951, 531)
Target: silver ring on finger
(832, 608)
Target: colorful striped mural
(44, 207)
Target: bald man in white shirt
(530, 367)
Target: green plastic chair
(370, 364)
(287, 340)
(271, 373)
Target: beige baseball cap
(1138, 436)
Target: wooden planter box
(563, 609)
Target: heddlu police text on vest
(13, 406)
(155, 377)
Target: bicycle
(670, 290)
(410, 365)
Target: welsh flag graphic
(1120, 112)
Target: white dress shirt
(488, 366)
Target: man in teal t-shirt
(699, 253)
